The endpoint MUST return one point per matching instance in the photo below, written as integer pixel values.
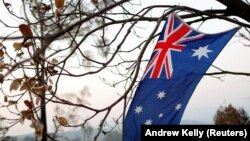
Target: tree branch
(228, 72)
(237, 8)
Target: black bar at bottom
(195, 132)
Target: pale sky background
(209, 94)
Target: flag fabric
(180, 58)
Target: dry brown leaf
(1, 53)
(28, 114)
(21, 119)
(7, 4)
(32, 63)
(50, 81)
(30, 81)
(25, 30)
(1, 77)
(95, 2)
(28, 103)
(39, 134)
(49, 87)
(63, 121)
(17, 46)
(51, 70)
(59, 3)
(54, 61)
(58, 12)
(5, 99)
(15, 84)
(27, 44)
(40, 90)
(38, 125)
(3, 66)
(38, 99)
(24, 87)
(20, 54)
(12, 102)
(44, 7)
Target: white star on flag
(161, 94)
(202, 51)
(160, 115)
(148, 122)
(138, 109)
(178, 106)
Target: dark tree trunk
(43, 100)
(44, 119)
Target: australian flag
(180, 58)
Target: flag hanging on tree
(178, 62)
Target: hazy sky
(209, 94)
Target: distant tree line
(230, 115)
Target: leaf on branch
(1, 77)
(59, 3)
(29, 82)
(20, 54)
(95, 2)
(58, 12)
(25, 30)
(42, 7)
(49, 87)
(38, 99)
(24, 86)
(39, 90)
(38, 125)
(12, 102)
(15, 84)
(28, 114)
(50, 81)
(32, 63)
(17, 46)
(63, 121)
(54, 61)
(27, 44)
(5, 98)
(51, 71)
(1, 53)
(21, 119)
(28, 103)
(7, 4)
(3, 66)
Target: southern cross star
(138, 109)
(160, 115)
(161, 94)
(178, 106)
(148, 122)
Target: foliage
(231, 116)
